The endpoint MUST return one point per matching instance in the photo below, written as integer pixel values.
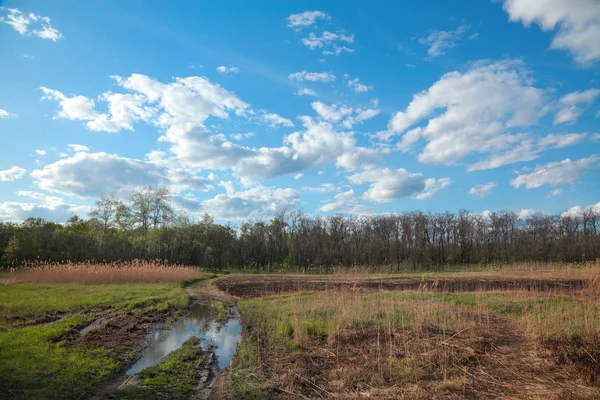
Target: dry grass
(142, 271)
(352, 343)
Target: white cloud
(347, 116)
(528, 149)
(298, 176)
(275, 120)
(554, 193)
(40, 152)
(30, 24)
(571, 111)
(577, 23)
(323, 188)
(304, 19)
(440, 42)
(527, 213)
(241, 136)
(578, 211)
(358, 87)
(11, 174)
(306, 92)
(124, 110)
(227, 70)
(472, 120)
(387, 185)
(329, 40)
(360, 157)
(333, 113)
(181, 108)
(78, 147)
(6, 114)
(433, 185)
(11, 211)
(312, 76)
(482, 190)
(259, 201)
(556, 173)
(345, 202)
(98, 174)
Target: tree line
(148, 227)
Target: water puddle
(200, 322)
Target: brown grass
(351, 341)
(143, 271)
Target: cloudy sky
(244, 109)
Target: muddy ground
(249, 286)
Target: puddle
(199, 322)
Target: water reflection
(199, 323)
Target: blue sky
(244, 109)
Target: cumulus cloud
(11, 211)
(241, 136)
(556, 173)
(30, 24)
(577, 23)
(275, 120)
(387, 185)
(433, 185)
(227, 70)
(304, 19)
(347, 116)
(578, 211)
(312, 76)
(574, 104)
(98, 174)
(358, 87)
(257, 202)
(124, 110)
(482, 190)
(181, 108)
(528, 149)
(6, 114)
(470, 120)
(40, 152)
(347, 203)
(440, 42)
(11, 174)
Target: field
(519, 332)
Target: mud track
(257, 286)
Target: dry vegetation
(356, 340)
(141, 271)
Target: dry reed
(88, 272)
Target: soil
(256, 286)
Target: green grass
(35, 362)
(174, 378)
(220, 309)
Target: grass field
(524, 332)
(307, 337)
(59, 340)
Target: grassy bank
(45, 355)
